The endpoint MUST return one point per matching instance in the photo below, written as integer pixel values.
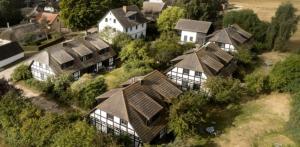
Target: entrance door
(185, 38)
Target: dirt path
(39, 100)
(267, 114)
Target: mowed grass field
(265, 9)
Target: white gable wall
(11, 59)
(187, 80)
(41, 71)
(100, 119)
(112, 22)
(187, 36)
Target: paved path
(40, 101)
(35, 97)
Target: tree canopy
(186, 113)
(224, 90)
(283, 26)
(249, 21)
(166, 47)
(201, 9)
(10, 12)
(169, 17)
(83, 13)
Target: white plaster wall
(39, 68)
(110, 23)
(115, 122)
(137, 31)
(188, 34)
(11, 59)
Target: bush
(186, 113)
(22, 72)
(90, 92)
(286, 74)
(293, 126)
(224, 90)
(256, 83)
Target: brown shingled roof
(193, 25)
(142, 98)
(232, 35)
(209, 59)
(120, 14)
(68, 51)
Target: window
(198, 74)
(185, 84)
(142, 25)
(186, 71)
(76, 75)
(110, 117)
(106, 20)
(115, 21)
(126, 30)
(191, 38)
(135, 36)
(83, 58)
(136, 27)
(123, 122)
(185, 38)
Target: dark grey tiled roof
(153, 7)
(120, 14)
(209, 59)
(145, 97)
(62, 53)
(232, 35)
(10, 49)
(193, 25)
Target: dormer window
(64, 59)
(87, 57)
(83, 52)
(103, 51)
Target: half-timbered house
(138, 109)
(195, 66)
(231, 38)
(88, 54)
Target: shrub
(91, 91)
(224, 90)
(186, 113)
(256, 83)
(22, 72)
(286, 74)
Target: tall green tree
(249, 21)
(283, 26)
(169, 17)
(81, 14)
(224, 90)
(187, 113)
(10, 12)
(201, 9)
(166, 47)
(136, 50)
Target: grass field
(266, 9)
(260, 123)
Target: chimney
(7, 25)
(125, 9)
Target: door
(185, 38)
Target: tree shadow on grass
(220, 119)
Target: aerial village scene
(149, 73)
